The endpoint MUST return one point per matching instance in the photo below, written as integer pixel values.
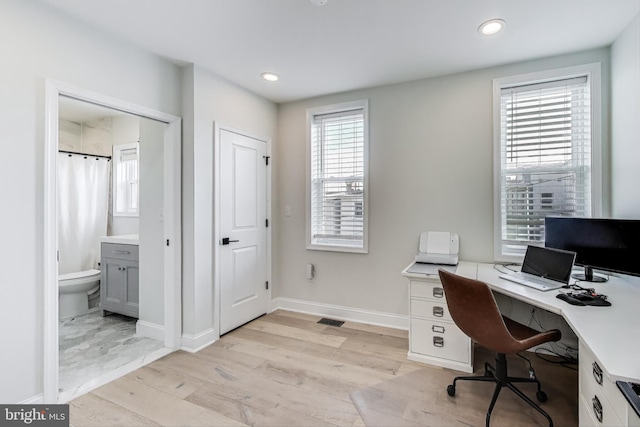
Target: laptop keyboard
(532, 281)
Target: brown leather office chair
(474, 309)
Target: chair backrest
(474, 309)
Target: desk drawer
(592, 376)
(597, 403)
(431, 290)
(436, 310)
(440, 339)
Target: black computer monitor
(604, 244)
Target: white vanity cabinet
(433, 336)
(119, 286)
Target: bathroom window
(126, 158)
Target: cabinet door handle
(438, 292)
(597, 372)
(438, 341)
(121, 252)
(438, 311)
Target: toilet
(74, 290)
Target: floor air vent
(331, 322)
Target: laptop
(544, 268)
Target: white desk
(608, 337)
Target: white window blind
(545, 154)
(338, 178)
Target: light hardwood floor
(285, 369)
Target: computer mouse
(571, 300)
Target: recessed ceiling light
(271, 77)
(491, 27)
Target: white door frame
(218, 127)
(172, 222)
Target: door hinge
(266, 222)
(266, 284)
(266, 159)
(167, 242)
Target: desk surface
(611, 333)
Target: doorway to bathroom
(84, 131)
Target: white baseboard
(388, 320)
(150, 330)
(195, 343)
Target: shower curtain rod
(84, 154)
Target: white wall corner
(195, 343)
(150, 330)
(377, 318)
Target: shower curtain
(83, 200)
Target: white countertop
(125, 239)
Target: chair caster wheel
(542, 396)
(451, 390)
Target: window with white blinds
(338, 145)
(125, 179)
(545, 157)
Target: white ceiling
(351, 44)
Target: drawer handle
(597, 408)
(121, 252)
(437, 329)
(438, 292)
(597, 373)
(438, 311)
(438, 342)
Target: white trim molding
(389, 320)
(150, 330)
(195, 343)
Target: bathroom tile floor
(92, 345)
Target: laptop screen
(554, 264)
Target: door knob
(226, 241)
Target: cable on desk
(506, 266)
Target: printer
(438, 247)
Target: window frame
(115, 162)
(593, 73)
(329, 109)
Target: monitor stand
(588, 276)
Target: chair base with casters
(498, 375)
(475, 311)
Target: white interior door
(243, 229)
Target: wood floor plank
(377, 362)
(359, 375)
(168, 380)
(159, 406)
(297, 333)
(91, 410)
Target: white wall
(625, 122)
(430, 169)
(208, 98)
(151, 221)
(38, 43)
